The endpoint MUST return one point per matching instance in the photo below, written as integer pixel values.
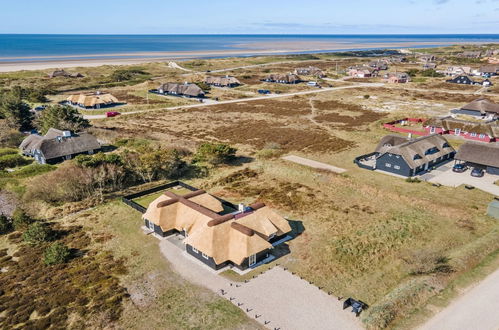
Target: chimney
(241, 207)
(410, 136)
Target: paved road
(313, 164)
(277, 299)
(477, 309)
(257, 98)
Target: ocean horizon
(81, 46)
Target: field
(394, 244)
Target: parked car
(459, 168)
(477, 172)
(263, 91)
(112, 114)
(312, 83)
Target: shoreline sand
(252, 49)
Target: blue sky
(249, 16)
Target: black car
(477, 172)
(459, 168)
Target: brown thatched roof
(451, 124)
(92, 99)
(479, 153)
(187, 89)
(228, 237)
(409, 148)
(483, 105)
(283, 78)
(222, 81)
(310, 71)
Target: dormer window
(417, 156)
(431, 151)
(445, 145)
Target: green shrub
(13, 160)
(8, 151)
(56, 253)
(5, 224)
(367, 96)
(412, 180)
(36, 233)
(21, 220)
(215, 153)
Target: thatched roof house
(92, 100)
(63, 73)
(283, 78)
(471, 54)
(225, 81)
(482, 155)
(362, 71)
(185, 89)
(58, 145)
(409, 157)
(486, 131)
(480, 107)
(241, 238)
(310, 71)
(491, 70)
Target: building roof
(483, 105)
(310, 71)
(408, 149)
(222, 81)
(56, 144)
(489, 68)
(187, 89)
(288, 78)
(451, 124)
(92, 99)
(230, 237)
(479, 153)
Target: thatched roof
(54, 144)
(490, 68)
(283, 78)
(222, 81)
(408, 149)
(63, 73)
(483, 105)
(187, 89)
(479, 153)
(310, 71)
(92, 99)
(450, 123)
(229, 237)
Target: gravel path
(313, 163)
(7, 203)
(277, 299)
(477, 309)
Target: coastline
(12, 64)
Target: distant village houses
(289, 78)
(185, 89)
(397, 78)
(57, 146)
(362, 72)
(467, 80)
(95, 100)
(310, 71)
(62, 73)
(379, 65)
(471, 54)
(225, 81)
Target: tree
(215, 153)
(152, 164)
(36, 233)
(5, 224)
(61, 117)
(9, 136)
(15, 111)
(412, 72)
(56, 253)
(21, 220)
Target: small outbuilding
(485, 156)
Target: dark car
(263, 91)
(477, 172)
(459, 168)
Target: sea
(47, 46)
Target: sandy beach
(11, 64)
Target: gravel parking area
(277, 299)
(445, 176)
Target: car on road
(477, 172)
(112, 114)
(263, 91)
(459, 168)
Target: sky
(249, 16)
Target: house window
(205, 256)
(431, 151)
(445, 145)
(396, 167)
(432, 129)
(457, 131)
(195, 250)
(473, 134)
(397, 156)
(388, 165)
(417, 156)
(482, 136)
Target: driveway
(476, 309)
(446, 177)
(277, 299)
(313, 164)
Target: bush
(412, 180)
(8, 161)
(5, 224)
(56, 253)
(367, 96)
(215, 153)
(431, 73)
(36, 233)
(21, 220)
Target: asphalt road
(477, 309)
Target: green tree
(21, 220)
(36, 233)
(56, 253)
(5, 224)
(215, 153)
(61, 117)
(15, 111)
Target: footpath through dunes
(277, 299)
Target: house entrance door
(252, 260)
